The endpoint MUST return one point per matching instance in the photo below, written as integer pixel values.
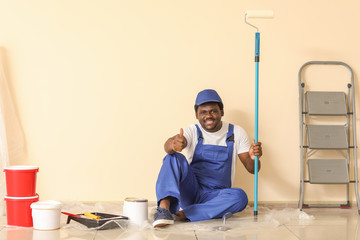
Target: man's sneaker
(162, 218)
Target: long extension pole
(257, 60)
(257, 14)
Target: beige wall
(100, 85)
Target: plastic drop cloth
(11, 135)
(270, 218)
(267, 218)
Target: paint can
(46, 215)
(21, 180)
(136, 209)
(19, 211)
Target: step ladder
(339, 139)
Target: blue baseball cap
(207, 95)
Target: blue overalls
(203, 188)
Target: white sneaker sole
(162, 223)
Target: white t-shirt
(241, 141)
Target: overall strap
(230, 134)
(199, 134)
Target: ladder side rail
(301, 129)
(349, 127)
(356, 181)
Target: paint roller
(257, 14)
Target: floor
(273, 222)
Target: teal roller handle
(256, 167)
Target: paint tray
(107, 221)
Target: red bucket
(18, 210)
(21, 180)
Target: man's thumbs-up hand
(179, 141)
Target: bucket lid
(134, 199)
(49, 204)
(21, 167)
(21, 198)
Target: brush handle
(70, 214)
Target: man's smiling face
(209, 116)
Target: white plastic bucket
(136, 209)
(46, 215)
